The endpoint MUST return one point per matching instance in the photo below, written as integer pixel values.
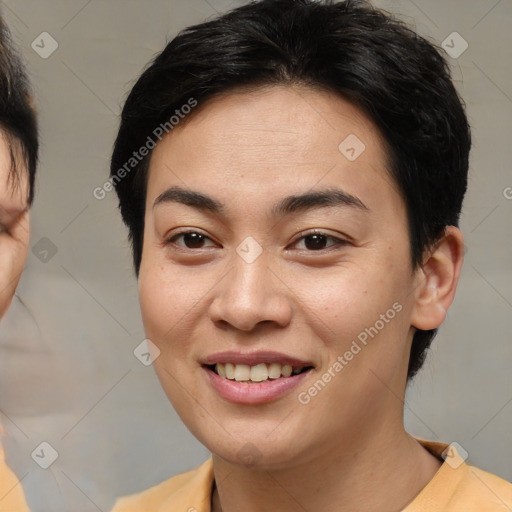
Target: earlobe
(437, 280)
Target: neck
(377, 475)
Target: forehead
(270, 139)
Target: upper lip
(254, 358)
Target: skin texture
(347, 448)
(14, 224)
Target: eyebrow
(286, 206)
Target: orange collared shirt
(456, 487)
(12, 498)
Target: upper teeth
(258, 373)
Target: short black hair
(365, 55)
(18, 121)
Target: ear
(436, 280)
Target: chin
(255, 452)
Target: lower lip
(255, 393)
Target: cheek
(12, 261)
(360, 314)
(170, 300)
(160, 301)
(13, 254)
(167, 307)
(344, 300)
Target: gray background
(68, 375)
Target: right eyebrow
(189, 198)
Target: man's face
(307, 300)
(14, 224)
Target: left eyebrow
(286, 206)
(321, 198)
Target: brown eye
(191, 239)
(319, 241)
(315, 242)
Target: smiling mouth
(258, 373)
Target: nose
(251, 294)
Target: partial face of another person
(14, 223)
(258, 276)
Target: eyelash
(339, 241)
